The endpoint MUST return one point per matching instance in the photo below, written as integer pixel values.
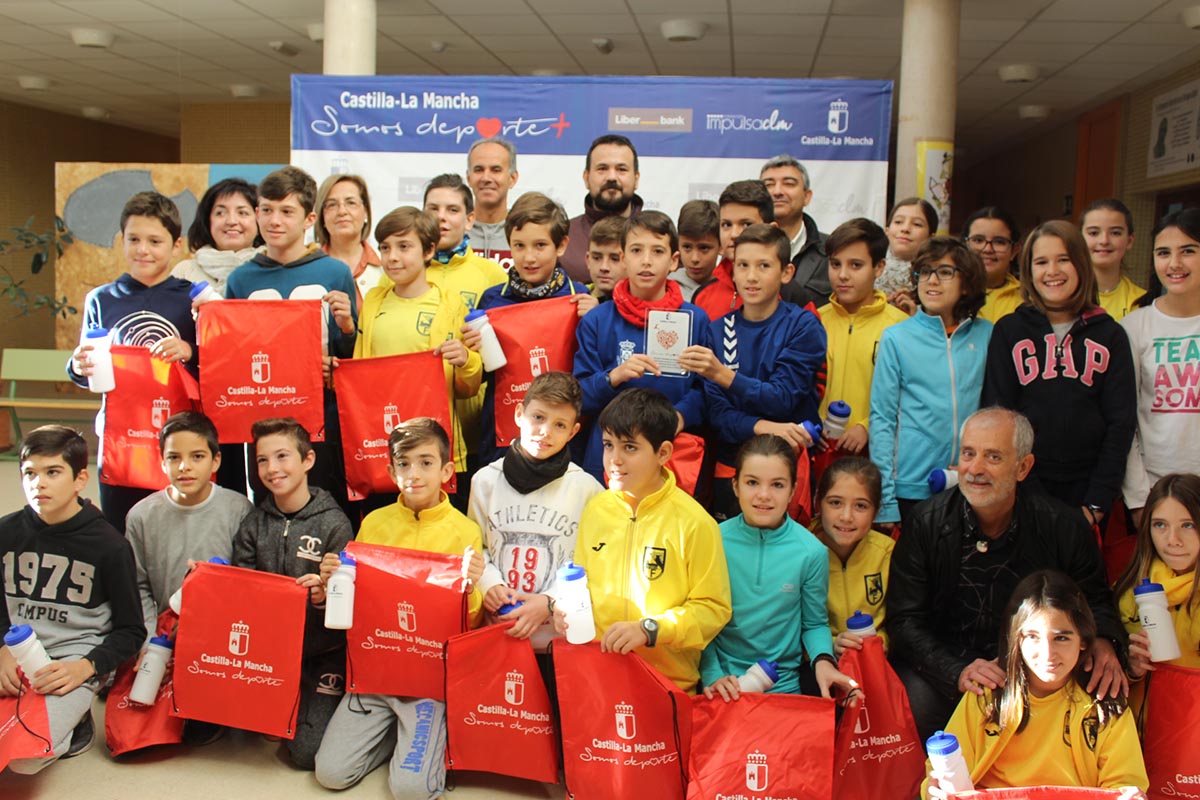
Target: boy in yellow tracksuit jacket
(359, 737)
(410, 315)
(854, 320)
(654, 559)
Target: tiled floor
(239, 765)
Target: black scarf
(526, 291)
(527, 474)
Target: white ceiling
(170, 52)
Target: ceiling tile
(853, 65)
(521, 44)
(1158, 33)
(116, 10)
(526, 25)
(209, 9)
(418, 26)
(1055, 33)
(1009, 9)
(288, 8)
(244, 29)
(593, 24)
(468, 7)
(1134, 53)
(852, 46)
(1099, 10)
(868, 27)
(868, 8)
(28, 34)
(1169, 12)
(750, 25)
(402, 8)
(37, 12)
(576, 7)
(777, 44)
(770, 61)
(690, 8)
(1058, 53)
(988, 30)
(740, 7)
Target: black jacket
(1084, 415)
(810, 283)
(923, 581)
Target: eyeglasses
(997, 242)
(944, 273)
(350, 204)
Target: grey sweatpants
(368, 728)
(63, 713)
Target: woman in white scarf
(223, 235)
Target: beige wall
(31, 141)
(235, 133)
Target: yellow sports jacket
(860, 583)
(853, 340)
(665, 562)
(1122, 299)
(461, 382)
(1002, 301)
(441, 529)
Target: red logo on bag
(406, 617)
(239, 638)
(514, 688)
(626, 722)
(391, 418)
(756, 772)
(260, 368)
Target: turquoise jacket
(779, 580)
(926, 383)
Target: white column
(349, 37)
(928, 86)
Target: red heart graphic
(667, 338)
(488, 127)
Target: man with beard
(611, 177)
(960, 557)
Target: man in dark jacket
(611, 176)
(787, 181)
(958, 560)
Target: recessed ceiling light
(92, 37)
(1191, 17)
(94, 112)
(437, 46)
(1033, 111)
(603, 44)
(316, 31)
(284, 48)
(243, 90)
(1018, 73)
(683, 30)
(33, 83)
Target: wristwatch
(650, 628)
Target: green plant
(27, 240)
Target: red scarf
(634, 309)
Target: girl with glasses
(992, 234)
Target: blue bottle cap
(813, 429)
(162, 641)
(858, 621)
(770, 668)
(1146, 587)
(347, 559)
(508, 608)
(571, 572)
(219, 560)
(197, 289)
(937, 481)
(17, 634)
(839, 409)
(941, 744)
(476, 314)
(96, 333)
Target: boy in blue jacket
(762, 379)
(612, 354)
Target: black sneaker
(199, 734)
(83, 737)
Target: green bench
(23, 367)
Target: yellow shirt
(441, 529)
(1122, 299)
(407, 324)
(665, 562)
(853, 340)
(1002, 301)
(860, 583)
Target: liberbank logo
(663, 120)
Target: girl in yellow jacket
(1167, 546)
(848, 498)
(1041, 728)
(409, 315)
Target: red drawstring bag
(537, 337)
(148, 391)
(1171, 740)
(879, 752)
(238, 650)
(260, 359)
(374, 396)
(130, 726)
(498, 713)
(24, 727)
(779, 745)
(687, 458)
(800, 506)
(1040, 793)
(407, 603)
(625, 727)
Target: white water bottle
(576, 602)
(151, 671)
(942, 479)
(1156, 620)
(176, 600)
(489, 346)
(102, 378)
(203, 293)
(837, 416)
(761, 676)
(339, 595)
(26, 649)
(945, 756)
(860, 624)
